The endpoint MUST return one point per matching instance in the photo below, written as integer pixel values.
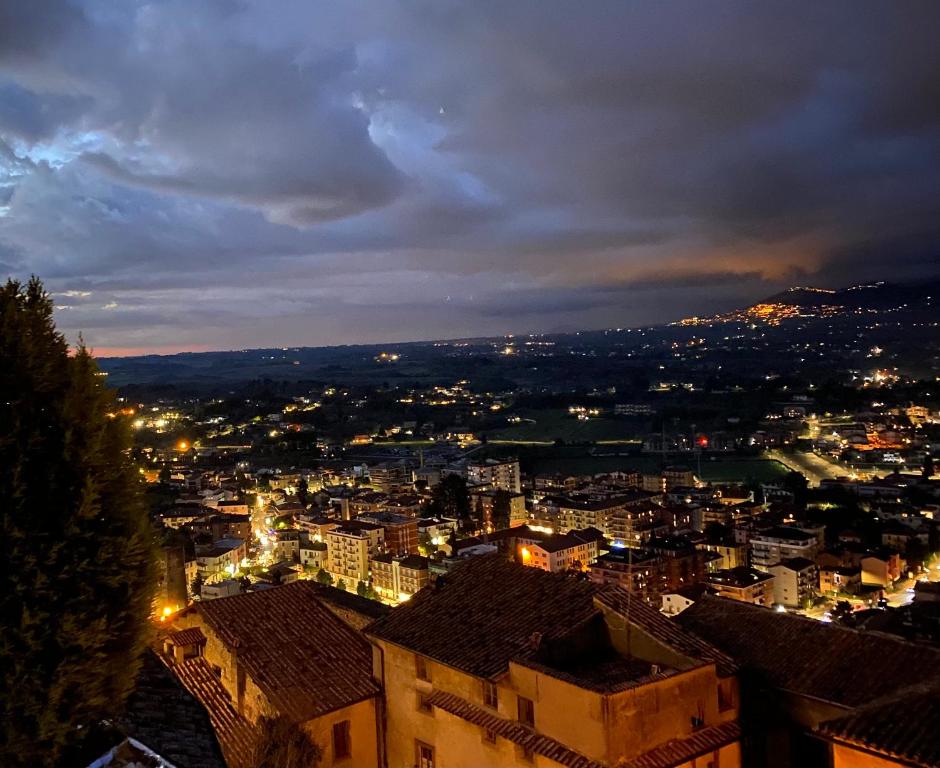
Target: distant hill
(498, 363)
(879, 295)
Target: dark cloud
(297, 172)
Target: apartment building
(746, 585)
(349, 548)
(795, 582)
(782, 542)
(496, 475)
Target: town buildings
(547, 677)
(745, 585)
(495, 475)
(279, 653)
(820, 694)
(771, 546)
(795, 582)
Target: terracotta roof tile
(682, 751)
(510, 729)
(666, 630)
(903, 727)
(191, 636)
(305, 659)
(826, 661)
(236, 735)
(164, 715)
(497, 606)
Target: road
(815, 467)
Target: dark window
(421, 668)
(490, 695)
(526, 711)
(424, 755)
(423, 703)
(342, 744)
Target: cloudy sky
(221, 174)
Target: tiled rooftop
(305, 659)
(904, 727)
(826, 661)
(164, 715)
(481, 614)
(511, 730)
(683, 751)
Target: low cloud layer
(233, 173)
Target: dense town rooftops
(509, 613)
(796, 563)
(304, 659)
(822, 660)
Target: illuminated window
(342, 743)
(424, 755)
(490, 695)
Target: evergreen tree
(78, 549)
(303, 491)
(324, 577)
(362, 589)
(451, 499)
(502, 509)
(928, 466)
(283, 743)
(341, 584)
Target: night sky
(224, 174)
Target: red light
(703, 441)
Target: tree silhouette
(502, 507)
(79, 552)
(451, 499)
(283, 743)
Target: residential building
(225, 588)
(732, 554)
(559, 552)
(781, 542)
(496, 475)
(279, 652)
(746, 585)
(399, 578)
(313, 555)
(391, 476)
(286, 545)
(795, 582)
(804, 675)
(882, 567)
(350, 547)
(677, 601)
(545, 678)
(220, 558)
(678, 476)
(834, 579)
(400, 532)
(482, 502)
